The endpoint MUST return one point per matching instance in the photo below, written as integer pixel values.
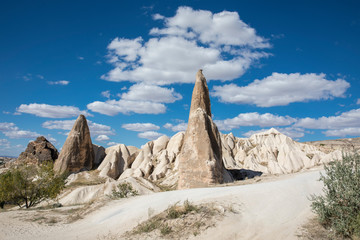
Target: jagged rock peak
(270, 131)
(200, 158)
(38, 151)
(77, 153)
(200, 96)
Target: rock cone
(38, 151)
(200, 159)
(77, 152)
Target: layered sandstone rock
(38, 151)
(77, 153)
(200, 159)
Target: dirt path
(268, 210)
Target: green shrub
(339, 206)
(123, 190)
(30, 184)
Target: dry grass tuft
(178, 222)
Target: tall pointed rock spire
(200, 159)
(77, 153)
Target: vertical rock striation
(200, 159)
(77, 153)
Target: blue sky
(129, 66)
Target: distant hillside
(5, 159)
(352, 144)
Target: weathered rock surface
(84, 194)
(272, 152)
(200, 159)
(100, 154)
(77, 153)
(115, 162)
(38, 151)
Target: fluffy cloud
(281, 89)
(102, 138)
(152, 93)
(150, 135)
(358, 101)
(176, 128)
(12, 131)
(106, 94)
(95, 128)
(50, 111)
(345, 120)
(140, 127)
(187, 41)
(345, 124)
(352, 131)
(62, 82)
(112, 143)
(254, 119)
(113, 107)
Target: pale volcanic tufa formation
(200, 159)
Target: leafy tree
(30, 184)
(339, 206)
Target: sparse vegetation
(177, 221)
(28, 185)
(339, 207)
(123, 190)
(93, 179)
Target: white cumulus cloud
(344, 120)
(351, 131)
(140, 127)
(150, 135)
(281, 89)
(12, 131)
(188, 41)
(176, 128)
(102, 138)
(254, 119)
(152, 93)
(113, 107)
(50, 111)
(95, 128)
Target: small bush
(339, 207)
(123, 190)
(175, 211)
(165, 229)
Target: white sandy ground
(267, 210)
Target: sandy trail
(268, 210)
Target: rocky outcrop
(117, 160)
(77, 153)
(272, 152)
(200, 159)
(38, 151)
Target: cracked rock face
(77, 153)
(38, 151)
(200, 159)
